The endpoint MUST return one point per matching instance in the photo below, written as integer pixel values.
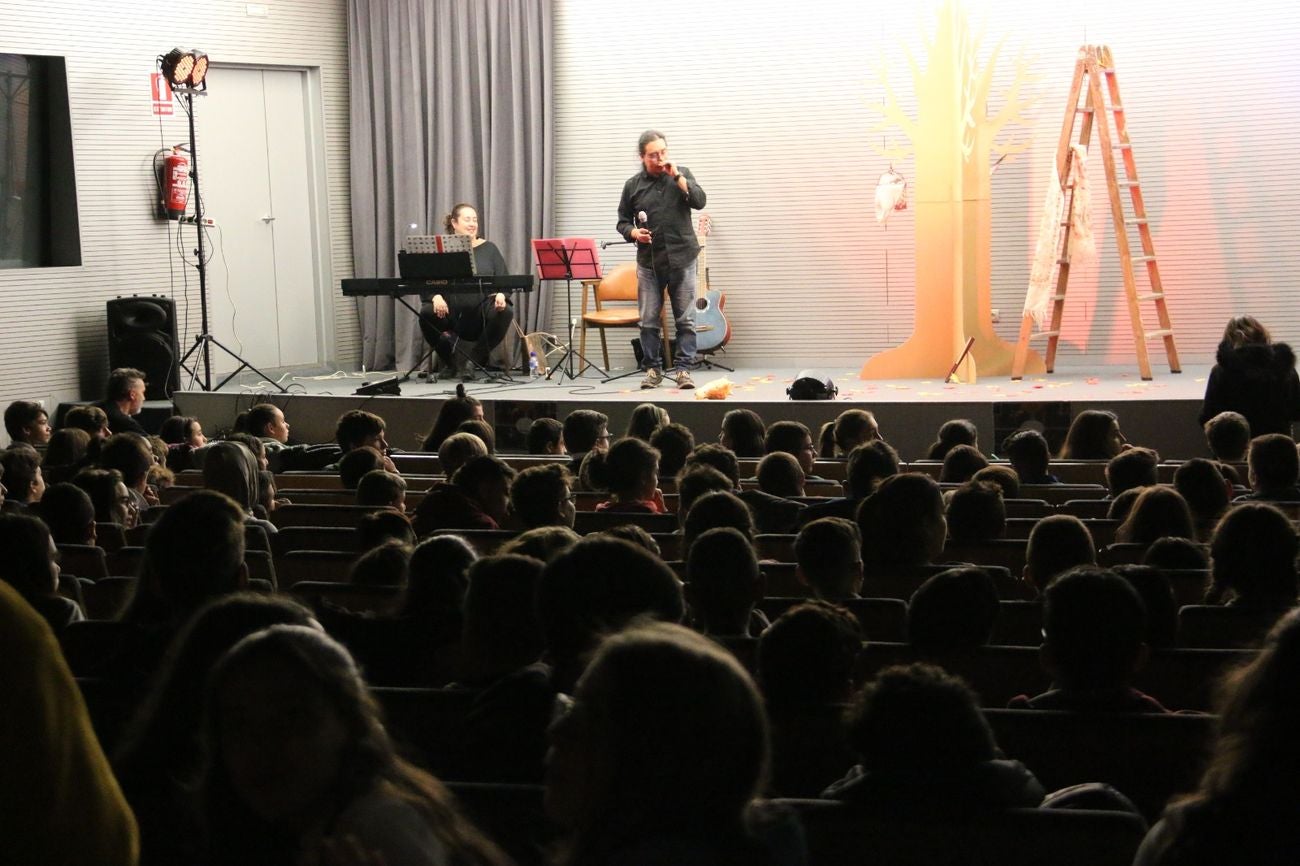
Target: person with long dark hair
(297, 761)
(1245, 808)
(660, 755)
(445, 321)
(1254, 376)
(451, 414)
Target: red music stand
(568, 259)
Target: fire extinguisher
(176, 183)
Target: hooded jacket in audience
(1259, 381)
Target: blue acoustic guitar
(712, 330)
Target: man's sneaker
(684, 379)
(653, 377)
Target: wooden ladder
(1093, 65)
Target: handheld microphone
(641, 218)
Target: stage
(1160, 413)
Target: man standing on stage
(655, 213)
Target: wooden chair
(617, 285)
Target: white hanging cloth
(1042, 277)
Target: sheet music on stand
(568, 259)
(437, 257)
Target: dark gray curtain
(451, 101)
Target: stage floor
(769, 384)
(1160, 412)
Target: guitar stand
(705, 363)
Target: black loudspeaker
(142, 334)
(812, 385)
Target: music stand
(568, 259)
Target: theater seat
(842, 834)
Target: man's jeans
(650, 302)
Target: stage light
(185, 68)
(200, 69)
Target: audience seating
(996, 673)
(110, 708)
(109, 536)
(320, 515)
(671, 547)
(902, 586)
(782, 579)
(1203, 625)
(1149, 758)
(358, 599)
(1101, 529)
(1086, 509)
(828, 470)
(1026, 508)
(1019, 623)
(88, 644)
(485, 541)
(1058, 494)
(513, 816)
(882, 619)
(1186, 679)
(775, 546)
(587, 500)
(595, 521)
(83, 560)
(1189, 584)
(1009, 553)
(333, 566)
(314, 538)
(126, 563)
(105, 598)
(421, 463)
(70, 586)
(427, 723)
(1180, 679)
(845, 834)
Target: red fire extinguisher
(176, 183)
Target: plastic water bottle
(533, 371)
